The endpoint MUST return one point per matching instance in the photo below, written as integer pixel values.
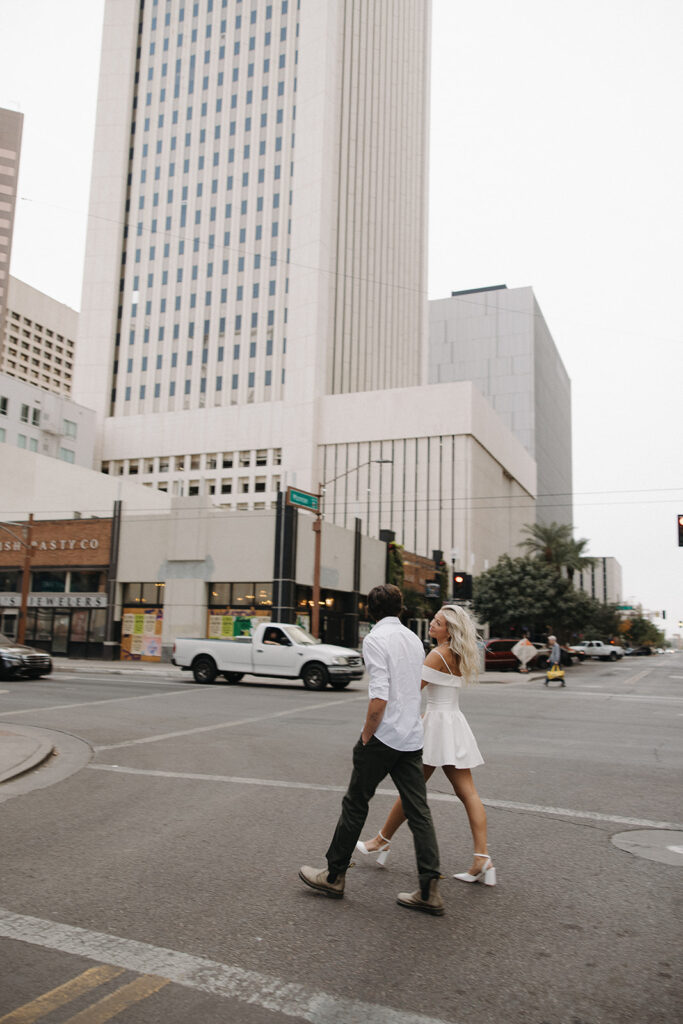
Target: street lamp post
(317, 530)
(25, 576)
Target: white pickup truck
(276, 649)
(596, 649)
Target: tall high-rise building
(257, 231)
(11, 126)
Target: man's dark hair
(386, 599)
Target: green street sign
(302, 499)
(625, 607)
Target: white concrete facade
(11, 128)
(40, 421)
(261, 195)
(39, 339)
(602, 580)
(498, 339)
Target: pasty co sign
(63, 543)
(84, 544)
(55, 600)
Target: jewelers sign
(55, 600)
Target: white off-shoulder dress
(448, 738)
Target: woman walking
(449, 742)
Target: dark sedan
(20, 661)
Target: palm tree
(548, 542)
(553, 543)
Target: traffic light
(680, 531)
(462, 586)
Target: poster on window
(226, 623)
(141, 634)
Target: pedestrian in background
(390, 744)
(448, 740)
(554, 658)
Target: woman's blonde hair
(462, 640)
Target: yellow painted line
(66, 993)
(120, 1000)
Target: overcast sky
(556, 162)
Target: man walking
(390, 744)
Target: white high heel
(382, 853)
(487, 875)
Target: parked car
(597, 649)
(498, 655)
(644, 649)
(20, 661)
(277, 649)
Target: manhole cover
(653, 844)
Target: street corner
(21, 749)
(33, 758)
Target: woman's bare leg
(465, 790)
(395, 818)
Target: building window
(66, 455)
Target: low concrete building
(118, 566)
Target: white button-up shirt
(393, 656)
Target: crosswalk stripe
(66, 993)
(120, 1000)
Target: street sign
(303, 499)
(625, 608)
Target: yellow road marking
(120, 1000)
(66, 993)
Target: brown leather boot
(323, 881)
(427, 899)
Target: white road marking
(90, 703)
(505, 805)
(203, 975)
(160, 737)
(675, 849)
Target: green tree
(527, 593)
(396, 572)
(641, 631)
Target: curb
(20, 752)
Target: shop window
(151, 594)
(219, 594)
(86, 582)
(98, 625)
(243, 594)
(9, 582)
(46, 582)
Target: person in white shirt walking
(390, 744)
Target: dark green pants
(371, 764)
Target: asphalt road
(149, 870)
